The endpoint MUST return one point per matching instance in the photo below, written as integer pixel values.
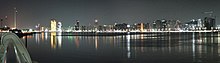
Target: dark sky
(32, 12)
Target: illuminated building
(122, 26)
(199, 23)
(108, 27)
(148, 27)
(192, 24)
(165, 25)
(53, 25)
(158, 25)
(59, 26)
(209, 23)
(83, 28)
(77, 25)
(173, 25)
(38, 27)
(42, 28)
(96, 25)
(154, 26)
(140, 26)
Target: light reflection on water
(59, 38)
(53, 41)
(128, 46)
(150, 48)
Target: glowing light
(46, 36)
(128, 46)
(30, 30)
(96, 42)
(128, 26)
(96, 20)
(42, 28)
(77, 41)
(53, 24)
(59, 25)
(53, 40)
(142, 27)
(46, 30)
(59, 40)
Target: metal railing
(20, 50)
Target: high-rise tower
(96, 25)
(53, 25)
(77, 25)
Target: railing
(20, 50)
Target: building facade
(53, 25)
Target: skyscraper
(77, 25)
(53, 25)
(59, 26)
(209, 23)
(140, 26)
(96, 25)
(199, 23)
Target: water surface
(140, 48)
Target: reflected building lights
(193, 46)
(53, 40)
(27, 37)
(112, 41)
(218, 42)
(37, 38)
(218, 50)
(212, 40)
(96, 42)
(70, 38)
(137, 45)
(218, 38)
(142, 44)
(205, 40)
(77, 41)
(200, 51)
(180, 47)
(142, 40)
(169, 44)
(142, 49)
(128, 46)
(193, 40)
(59, 38)
(42, 37)
(46, 36)
(142, 36)
(199, 40)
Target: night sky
(33, 12)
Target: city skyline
(31, 13)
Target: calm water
(141, 48)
